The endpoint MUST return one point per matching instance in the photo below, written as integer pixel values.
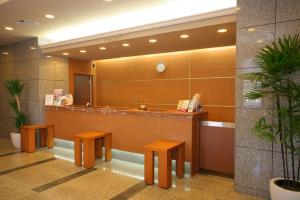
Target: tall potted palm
(15, 88)
(279, 65)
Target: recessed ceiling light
(49, 16)
(4, 53)
(222, 30)
(251, 29)
(107, 0)
(184, 36)
(82, 51)
(102, 48)
(8, 28)
(126, 45)
(152, 40)
(48, 56)
(65, 53)
(259, 41)
(32, 48)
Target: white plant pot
(16, 140)
(279, 193)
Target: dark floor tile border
(133, 190)
(9, 154)
(62, 180)
(26, 166)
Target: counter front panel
(131, 129)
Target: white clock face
(160, 67)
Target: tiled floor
(37, 176)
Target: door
(82, 89)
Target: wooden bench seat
(28, 136)
(92, 147)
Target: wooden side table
(28, 136)
(92, 147)
(164, 149)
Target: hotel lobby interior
(160, 99)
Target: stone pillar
(40, 74)
(259, 22)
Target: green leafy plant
(279, 65)
(15, 87)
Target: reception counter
(131, 129)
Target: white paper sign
(49, 99)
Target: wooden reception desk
(131, 129)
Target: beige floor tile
(100, 184)
(19, 159)
(238, 196)
(19, 183)
(6, 147)
(109, 180)
(40, 174)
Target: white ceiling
(79, 18)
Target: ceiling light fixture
(108, 0)
(65, 53)
(49, 16)
(126, 45)
(251, 29)
(32, 48)
(222, 30)
(8, 28)
(82, 51)
(152, 40)
(4, 53)
(259, 41)
(184, 36)
(49, 56)
(102, 48)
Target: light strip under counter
(218, 124)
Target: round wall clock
(160, 67)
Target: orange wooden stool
(92, 146)
(164, 148)
(28, 136)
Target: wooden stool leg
(149, 167)
(77, 152)
(108, 145)
(88, 153)
(164, 169)
(23, 139)
(26, 141)
(30, 142)
(50, 137)
(98, 148)
(43, 137)
(180, 158)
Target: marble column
(259, 22)
(41, 74)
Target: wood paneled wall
(131, 81)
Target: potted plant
(279, 65)
(15, 88)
